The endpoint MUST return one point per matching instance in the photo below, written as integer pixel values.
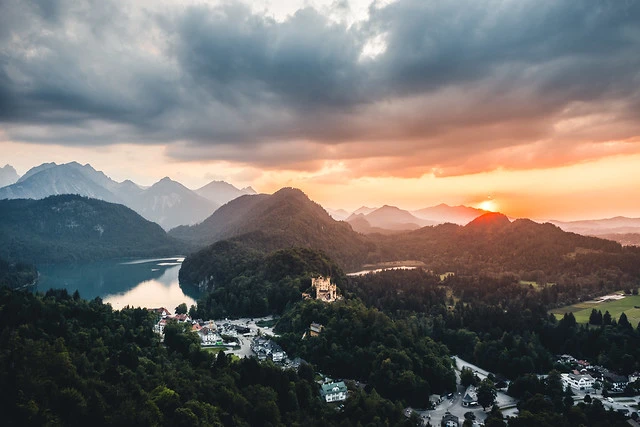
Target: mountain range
(171, 204)
(599, 227)
(167, 202)
(385, 219)
(68, 227)
(443, 213)
(491, 243)
(495, 243)
(390, 219)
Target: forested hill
(69, 227)
(65, 361)
(284, 219)
(246, 282)
(492, 242)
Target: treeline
(67, 361)
(498, 323)
(546, 403)
(242, 282)
(17, 275)
(395, 357)
(522, 247)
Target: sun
(489, 205)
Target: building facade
(334, 392)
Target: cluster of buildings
(584, 376)
(264, 349)
(210, 334)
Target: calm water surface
(140, 283)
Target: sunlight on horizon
(489, 205)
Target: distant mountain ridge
(70, 178)
(338, 214)
(167, 202)
(8, 175)
(72, 228)
(221, 192)
(170, 204)
(442, 213)
(386, 218)
(618, 224)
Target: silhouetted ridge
(490, 221)
(284, 219)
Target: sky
(528, 107)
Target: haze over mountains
(491, 242)
(171, 204)
(386, 218)
(167, 202)
(8, 175)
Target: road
(245, 341)
(454, 404)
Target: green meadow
(582, 310)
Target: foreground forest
(67, 361)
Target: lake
(147, 283)
(378, 270)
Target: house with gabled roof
(315, 329)
(449, 420)
(470, 397)
(334, 392)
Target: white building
(580, 382)
(334, 392)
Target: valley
(414, 298)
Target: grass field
(582, 310)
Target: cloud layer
(415, 87)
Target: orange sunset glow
(501, 106)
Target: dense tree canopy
(66, 361)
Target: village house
(315, 329)
(158, 328)
(182, 318)
(209, 337)
(162, 312)
(334, 392)
(470, 397)
(580, 381)
(618, 382)
(266, 349)
(449, 420)
(435, 400)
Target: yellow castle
(325, 290)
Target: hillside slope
(284, 219)
(69, 227)
(494, 243)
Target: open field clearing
(614, 304)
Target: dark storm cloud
(470, 78)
